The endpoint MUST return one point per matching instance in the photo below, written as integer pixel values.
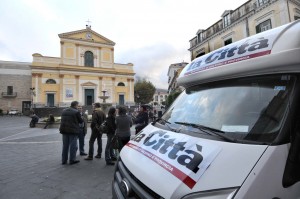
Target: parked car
(13, 112)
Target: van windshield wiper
(161, 119)
(211, 131)
(166, 123)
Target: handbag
(103, 127)
(114, 142)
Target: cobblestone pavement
(30, 165)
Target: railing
(9, 94)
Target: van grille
(136, 189)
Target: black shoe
(63, 163)
(74, 162)
(89, 158)
(110, 163)
(83, 154)
(98, 156)
(114, 159)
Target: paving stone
(30, 165)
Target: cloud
(152, 62)
(150, 34)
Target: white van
(234, 132)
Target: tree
(172, 96)
(143, 91)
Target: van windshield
(245, 109)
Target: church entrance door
(89, 96)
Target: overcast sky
(151, 34)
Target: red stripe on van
(170, 168)
(230, 61)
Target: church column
(77, 88)
(33, 85)
(100, 87)
(61, 87)
(112, 57)
(76, 55)
(38, 90)
(113, 79)
(62, 51)
(100, 84)
(129, 93)
(99, 55)
(132, 90)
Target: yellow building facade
(83, 71)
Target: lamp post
(32, 93)
(138, 99)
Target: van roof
(273, 51)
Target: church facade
(84, 71)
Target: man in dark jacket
(97, 118)
(69, 128)
(141, 120)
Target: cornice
(65, 35)
(84, 69)
(83, 42)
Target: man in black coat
(69, 128)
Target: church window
(121, 84)
(50, 81)
(89, 59)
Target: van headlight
(218, 194)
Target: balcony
(9, 94)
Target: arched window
(88, 59)
(50, 81)
(121, 84)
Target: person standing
(111, 129)
(123, 123)
(83, 130)
(141, 120)
(97, 118)
(69, 128)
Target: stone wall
(17, 75)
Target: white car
(13, 112)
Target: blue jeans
(95, 135)
(81, 140)
(109, 152)
(69, 142)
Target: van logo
(184, 156)
(242, 50)
(125, 188)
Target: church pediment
(86, 35)
(88, 84)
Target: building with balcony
(15, 84)
(250, 18)
(173, 73)
(84, 69)
(160, 96)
